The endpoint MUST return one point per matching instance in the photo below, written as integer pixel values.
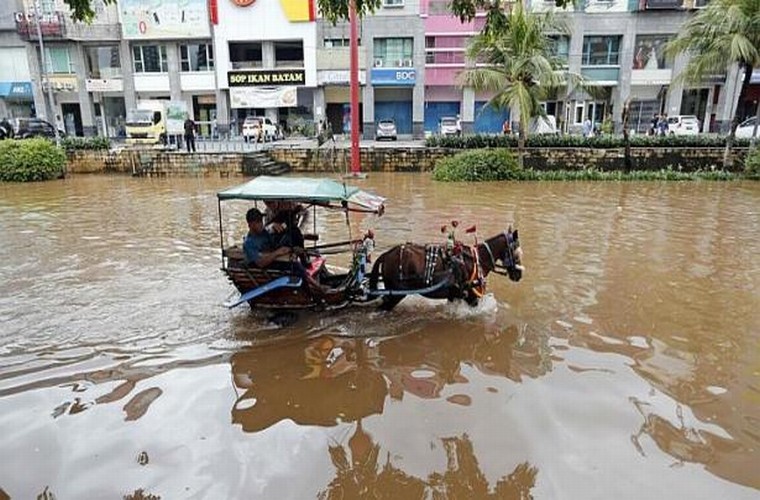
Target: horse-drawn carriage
(454, 271)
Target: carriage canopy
(305, 190)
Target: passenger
(261, 250)
(284, 220)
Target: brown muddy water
(625, 364)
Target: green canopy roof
(302, 189)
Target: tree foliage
(81, 10)
(519, 65)
(726, 32)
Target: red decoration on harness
(471, 229)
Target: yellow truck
(152, 122)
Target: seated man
(261, 250)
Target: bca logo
(404, 75)
(243, 3)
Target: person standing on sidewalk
(190, 129)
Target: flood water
(625, 364)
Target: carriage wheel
(389, 302)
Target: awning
(303, 189)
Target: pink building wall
(438, 25)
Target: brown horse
(445, 274)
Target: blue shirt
(255, 244)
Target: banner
(156, 19)
(252, 97)
(176, 114)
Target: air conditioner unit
(378, 63)
(409, 63)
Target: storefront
(16, 99)
(265, 61)
(441, 102)
(393, 89)
(337, 99)
(109, 106)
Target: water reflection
(333, 380)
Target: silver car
(386, 129)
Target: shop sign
(162, 19)
(104, 85)
(339, 77)
(61, 83)
(393, 76)
(260, 97)
(266, 78)
(16, 90)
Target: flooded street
(625, 364)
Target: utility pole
(354, 88)
(49, 106)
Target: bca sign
(394, 76)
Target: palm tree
(518, 62)
(726, 32)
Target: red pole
(354, 80)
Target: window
(560, 47)
(47, 7)
(288, 54)
(650, 52)
(196, 57)
(601, 50)
(246, 55)
(150, 59)
(59, 60)
(393, 3)
(103, 62)
(393, 52)
(339, 42)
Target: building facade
(228, 59)
(266, 62)
(16, 98)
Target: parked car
(257, 128)
(386, 129)
(745, 128)
(24, 128)
(449, 125)
(683, 125)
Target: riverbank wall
(158, 163)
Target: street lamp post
(49, 104)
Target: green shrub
(604, 141)
(752, 165)
(478, 165)
(87, 143)
(30, 160)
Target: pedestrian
(662, 125)
(190, 129)
(506, 129)
(653, 124)
(587, 130)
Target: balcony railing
(52, 26)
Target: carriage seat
(236, 258)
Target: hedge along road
(623, 365)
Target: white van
(683, 125)
(541, 125)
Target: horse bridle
(509, 253)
